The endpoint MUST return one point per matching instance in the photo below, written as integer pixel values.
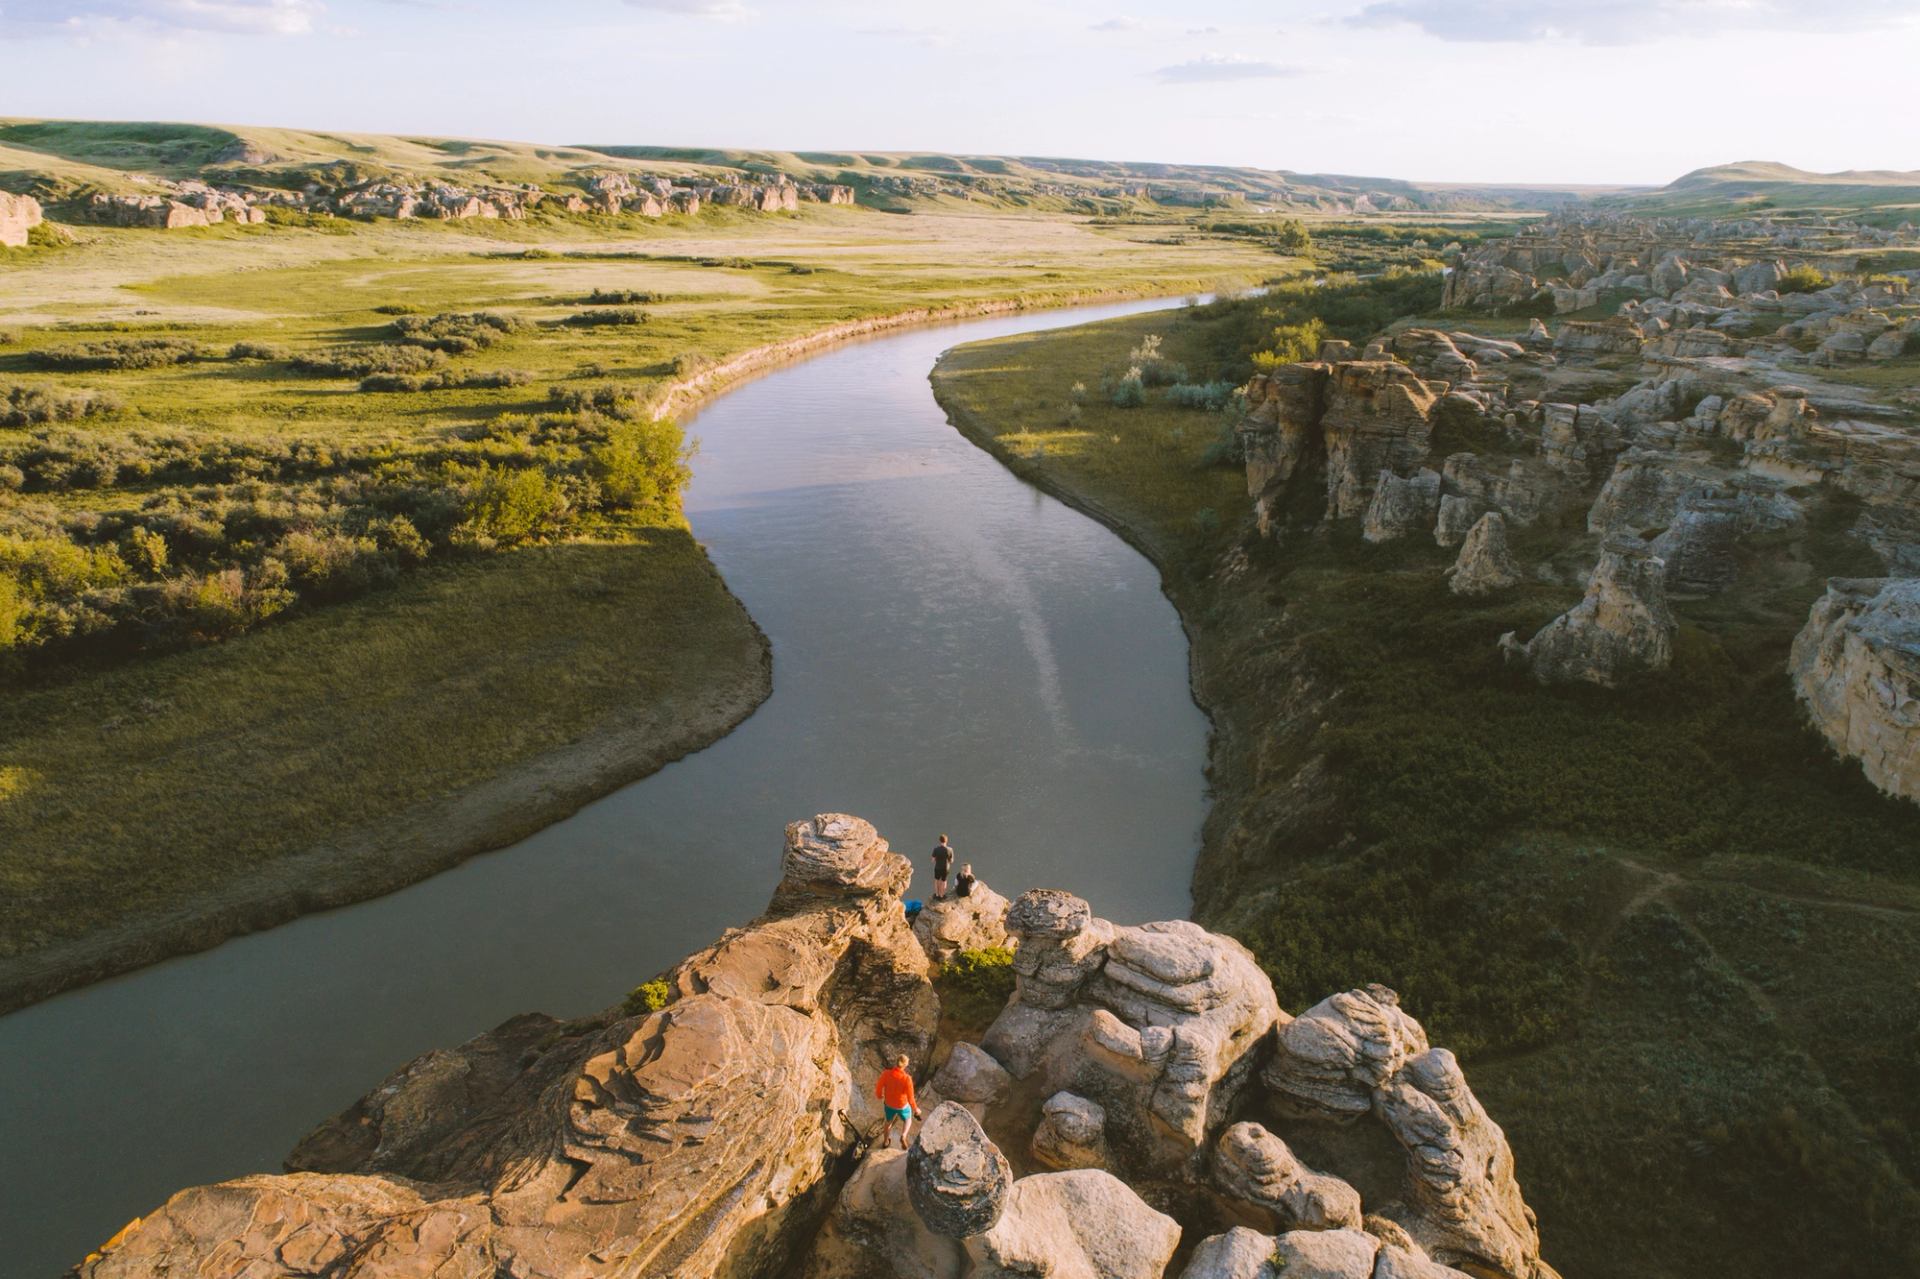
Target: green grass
(1638, 916)
(151, 787)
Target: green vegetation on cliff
(1670, 935)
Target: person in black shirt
(963, 886)
(942, 863)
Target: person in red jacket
(894, 1088)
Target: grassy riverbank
(1670, 937)
(279, 632)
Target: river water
(953, 651)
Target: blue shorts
(904, 1114)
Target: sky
(1559, 91)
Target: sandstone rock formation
(1157, 1024)
(1310, 1254)
(1084, 1224)
(1485, 565)
(1856, 668)
(948, 926)
(1262, 1181)
(1621, 628)
(19, 214)
(1072, 1133)
(696, 1139)
(957, 1180)
(719, 1136)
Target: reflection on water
(952, 652)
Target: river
(954, 652)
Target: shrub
(1209, 396)
(256, 351)
(506, 506)
(443, 380)
(1291, 344)
(619, 297)
(368, 358)
(33, 405)
(1154, 368)
(454, 332)
(612, 316)
(145, 550)
(608, 398)
(647, 997)
(643, 465)
(119, 353)
(328, 563)
(975, 985)
(688, 363)
(1802, 279)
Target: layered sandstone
(1856, 668)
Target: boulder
(1262, 1182)
(1082, 1224)
(873, 1230)
(1856, 668)
(705, 1137)
(957, 1179)
(19, 214)
(971, 1077)
(953, 924)
(1485, 565)
(1621, 628)
(1072, 1133)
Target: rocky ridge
(195, 203)
(722, 1133)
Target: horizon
(1223, 83)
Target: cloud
(93, 17)
(718, 10)
(1624, 21)
(1223, 66)
(1117, 24)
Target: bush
(687, 363)
(368, 358)
(647, 997)
(619, 297)
(1209, 396)
(454, 332)
(608, 398)
(33, 405)
(119, 353)
(256, 351)
(1802, 279)
(506, 506)
(975, 985)
(613, 316)
(444, 380)
(643, 465)
(1291, 344)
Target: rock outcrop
(698, 1139)
(1484, 565)
(1621, 628)
(952, 924)
(19, 214)
(722, 1135)
(1156, 1024)
(1856, 668)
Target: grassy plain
(167, 796)
(1671, 937)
